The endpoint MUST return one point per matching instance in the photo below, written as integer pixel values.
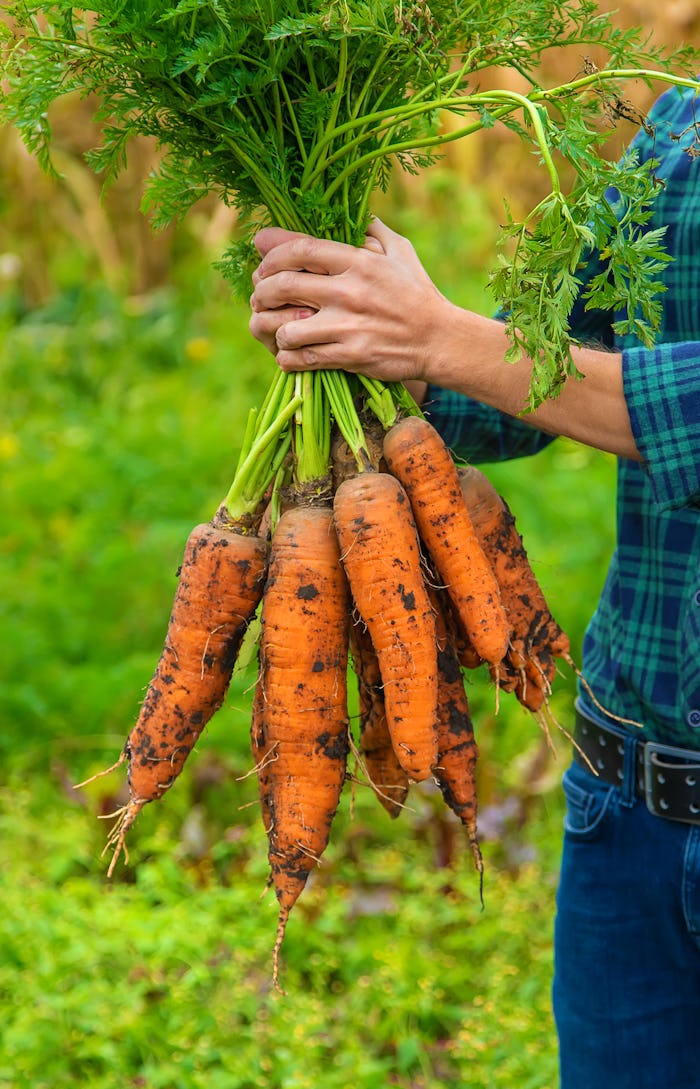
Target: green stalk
(403, 400)
(271, 195)
(264, 454)
(293, 119)
(373, 124)
(311, 453)
(380, 399)
(606, 74)
(279, 123)
(340, 85)
(400, 112)
(361, 97)
(280, 392)
(346, 418)
(248, 438)
(387, 121)
(515, 101)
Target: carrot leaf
(296, 111)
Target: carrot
(303, 723)
(466, 655)
(219, 586)
(381, 557)
(536, 637)
(457, 747)
(418, 457)
(261, 755)
(386, 776)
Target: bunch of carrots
(393, 561)
(348, 530)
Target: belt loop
(629, 771)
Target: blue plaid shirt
(641, 652)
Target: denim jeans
(627, 943)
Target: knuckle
(311, 358)
(287, 283)
(311, 250)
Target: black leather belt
(667, 778)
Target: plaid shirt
(642, 647)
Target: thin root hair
(101, 774)
(369, 781)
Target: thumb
(381, 238)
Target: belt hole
(621, 748)
(600, 764)
(602, 741)
(694, 808)
(663, 804)
(660, 778)
(620, 774)
(690, 780)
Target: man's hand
(371, 309)
(374, 310)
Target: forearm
(469, 357)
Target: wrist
(465, 351)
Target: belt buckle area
(672, 782)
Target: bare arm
(375, 310)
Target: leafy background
(126, 372)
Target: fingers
(266, 324)
(269, 237)
(326, 357)
(291, 251)
(303, 253)
(326, 257)
(373, 244)
(388, 240)
(321, 303)
(295, 288)
(301, 339)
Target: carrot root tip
(281, 927)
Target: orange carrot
(457, 636)
(303, 724)
(387, 778)
(261, 755)
(219, 587)
(381, 557)
(536, 638)
(457, 747)
(418, 457)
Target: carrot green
(296, 112)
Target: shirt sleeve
(477, 432)
(662, 390)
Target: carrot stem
(311, 437)
(264, 455)
(345, 414)
(379, 398)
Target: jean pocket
(588, 801)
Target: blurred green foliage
(119, 424)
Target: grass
(394, 975)
(119, 431)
